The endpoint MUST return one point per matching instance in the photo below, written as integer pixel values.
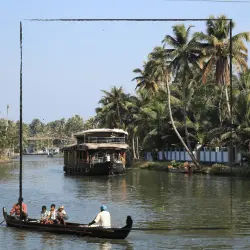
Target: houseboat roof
(88, 146)
(100, 130)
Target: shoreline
(189, 168)
(2, 161)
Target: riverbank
(185, 167)
(5, 160)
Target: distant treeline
(59, 129)
(182, 96)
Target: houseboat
(97, 152)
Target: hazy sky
(65, 65)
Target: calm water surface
(199, 212)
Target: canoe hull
(70, 228)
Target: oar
(2, 222)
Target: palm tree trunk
(176, 131)
(119, 115)
(137, 147)
(227, 101)
(220, 109)
(227, 96)
(133, 147)
(186, 130)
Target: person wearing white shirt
(102, 219)
(44, 213)
(52, 213)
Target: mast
(231, 114)
(21, 123)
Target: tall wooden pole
(231, 88)
(231, 114)
(21, 121)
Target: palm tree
(138, 125)
(216, 47)
(146, 79)
(159, 73)
(114, 105)
(185, 58)
(242, 111)
(184, 63)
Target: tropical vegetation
(182, 92)
(182, 97)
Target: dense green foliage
(193, 72)
(182, 97)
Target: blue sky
(65, 65)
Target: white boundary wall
(205, 156)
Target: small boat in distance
(70, 228)
(97, 152)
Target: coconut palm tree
(138, 125)
(185, 58)
(145, 79)
(159, 73)
(114, 105)
(216, 47)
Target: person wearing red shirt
(16, 209)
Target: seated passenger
(65, 215)
(102, 219)
(61, 215)
(16, 210)
(107, 157)
(44, 215)
(52, 214)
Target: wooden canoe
(70, 228)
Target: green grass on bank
(154, 165)
(4, 159)
(215, 169)
(220, 169)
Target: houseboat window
(71, 155)
(81, 155)
(84, 155)
(80, 140)
(67, 156)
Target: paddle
(2, 222)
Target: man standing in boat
(16, 209)
(102, 219)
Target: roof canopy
(89, 146)
(101, 130)
(103, 146)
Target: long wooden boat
(70, 228)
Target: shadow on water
(105, 244)
(21, 239)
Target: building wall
(208, 156)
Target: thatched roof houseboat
(97, 152)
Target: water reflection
(153, 199)
(105, 244)
(19, 238)
(167, 199)
(7, 170)
(51, 240)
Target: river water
(197, 211)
